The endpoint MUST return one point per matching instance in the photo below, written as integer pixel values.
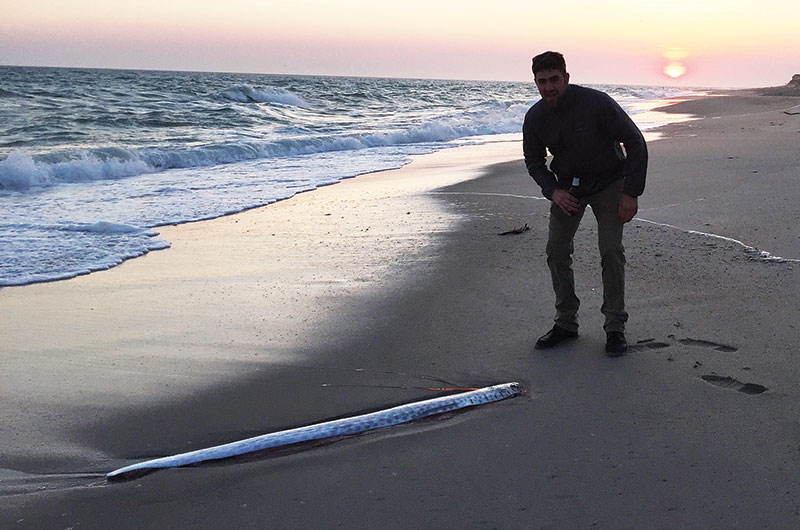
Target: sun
(675, 70)
(675, 67)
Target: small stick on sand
(516, 230)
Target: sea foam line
(329, 429)
(759, 255)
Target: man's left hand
(628, 206)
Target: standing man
(583, 129)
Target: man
(583, 128)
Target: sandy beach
(357, 296)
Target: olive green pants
(605, 206)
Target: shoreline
(160, 228)
(194, 313)
(138, 245)
(617, 444)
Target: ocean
(92, 161)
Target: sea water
(92, 161)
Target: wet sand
(371, 285)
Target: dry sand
(322, 305)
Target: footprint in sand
(733, 384)
(647, 344)
(652, 344)
(717, 380)
(706, 344)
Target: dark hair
(549, 61)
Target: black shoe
(616, 344)
(557, 335)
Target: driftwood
(516, 230)
(791, 113)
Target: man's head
(551, 77)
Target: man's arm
(535, 153)
(625, 131)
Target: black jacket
(584, 134)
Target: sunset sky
(723, 43)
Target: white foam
(104, 227)
(20, 171)
(133, 245)
(756, 253)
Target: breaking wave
(248, 94)
(21, 171)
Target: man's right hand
(568, 203)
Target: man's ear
(566, 77)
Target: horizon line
(355, 76)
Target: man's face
(552, 85)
